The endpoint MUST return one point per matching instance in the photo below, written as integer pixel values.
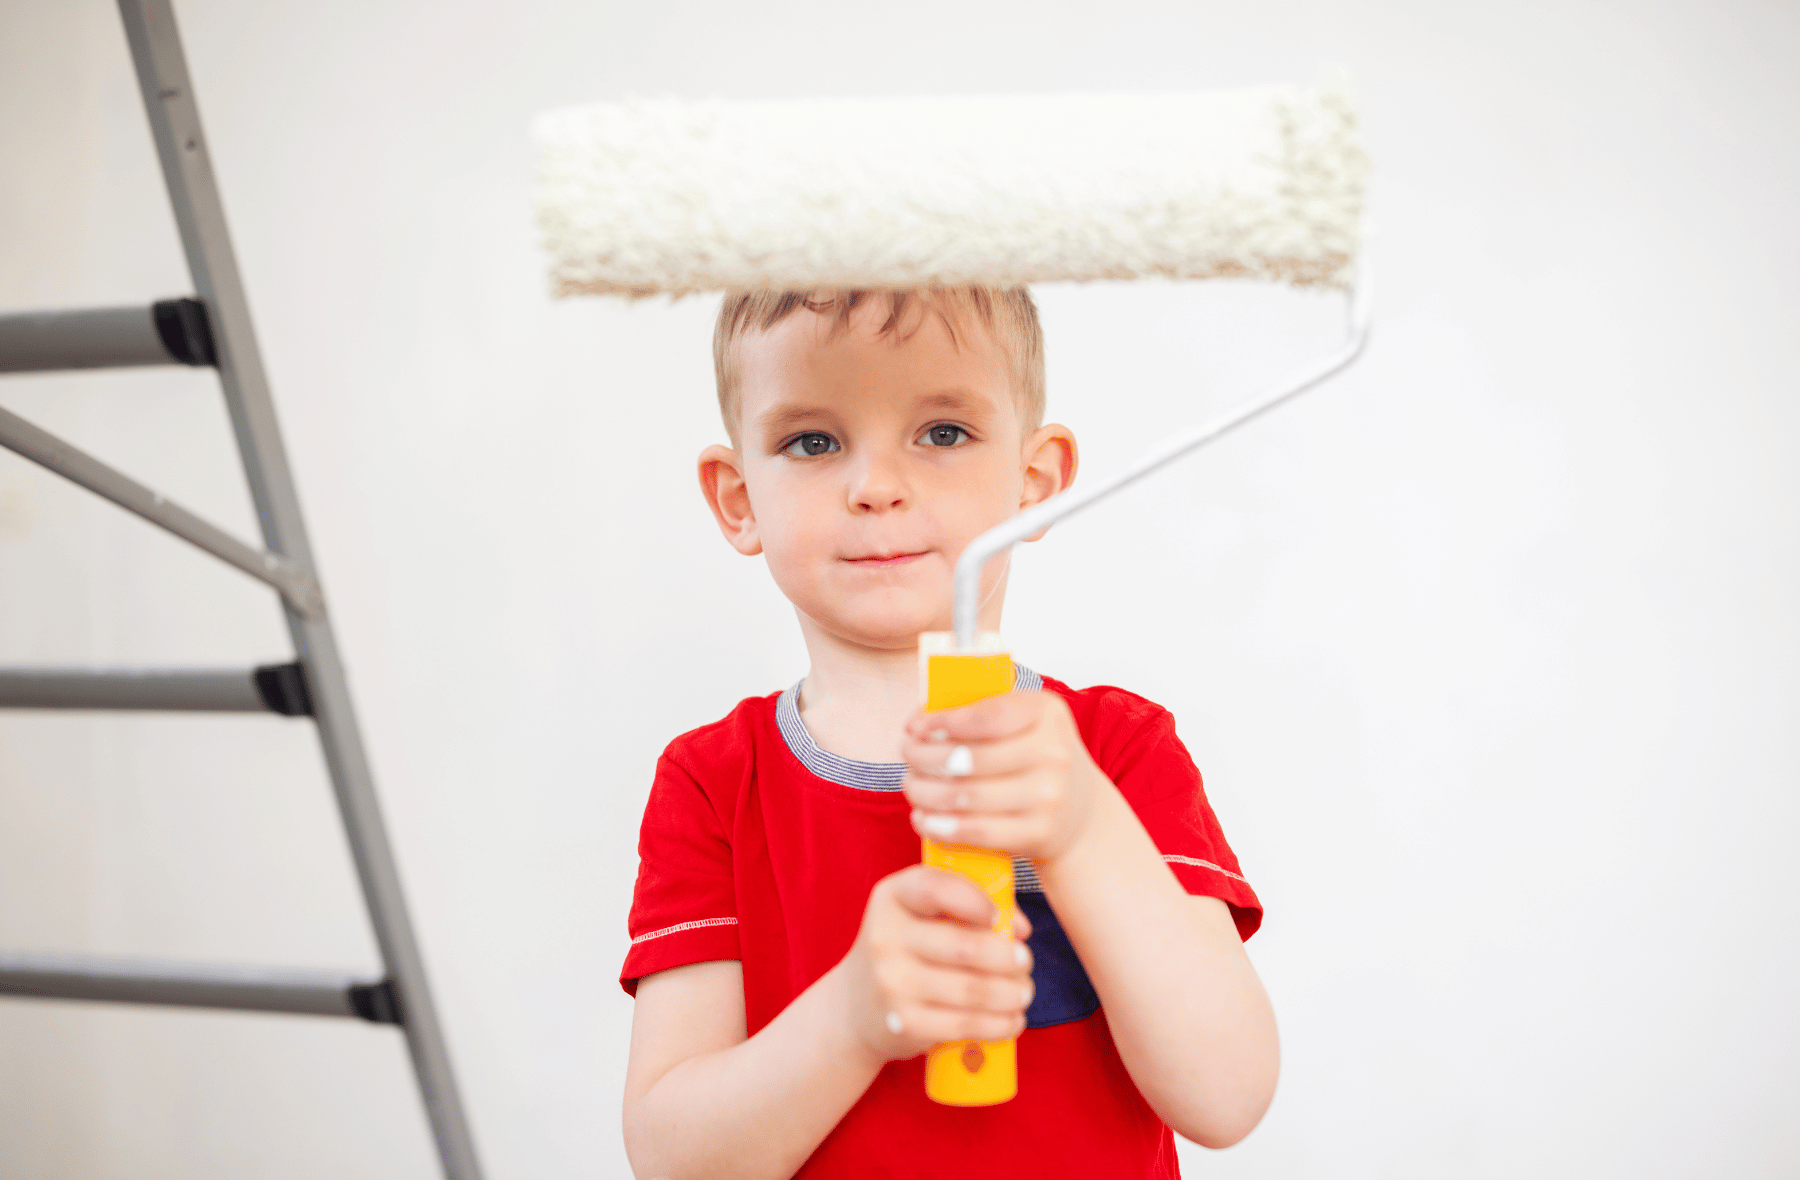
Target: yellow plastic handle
(972, 1073)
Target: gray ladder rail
(289, 990)
(174, 118)
(200, 217)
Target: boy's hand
(1009, 773)
(927, 966)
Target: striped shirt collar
(852, 772)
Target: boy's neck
(855, 700)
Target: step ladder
(213, 329)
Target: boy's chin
(885, 630)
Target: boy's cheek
(791, 545)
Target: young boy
(791, 959)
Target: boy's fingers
(926, 891)
(996, 717)
(979, 953)
(1022, 831)
(975, 758)
(1019, 792)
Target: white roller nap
(647, 196)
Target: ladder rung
(168, 332)
(274, 688)
(197, 985)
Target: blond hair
(1009, 315)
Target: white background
(1488, 650)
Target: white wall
(1488, 651)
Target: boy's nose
(877, 486)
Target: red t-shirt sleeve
(1134, 742)
(684, 909)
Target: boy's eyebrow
(954, 399)
(779, 418)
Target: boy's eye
(810, 443)
(944, 435)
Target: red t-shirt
(758, 846)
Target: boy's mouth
(883, 559)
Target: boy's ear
(1050, 462)
(722, 483)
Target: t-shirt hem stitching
(1197, 863)
(680, 926)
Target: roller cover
(650, 196)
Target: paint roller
(663, 196)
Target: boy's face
(866, 464)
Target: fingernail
(939, 735)
(893, 1023)
(1019, 955)
(940, 825)
(960, 762)
(1030, 991)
